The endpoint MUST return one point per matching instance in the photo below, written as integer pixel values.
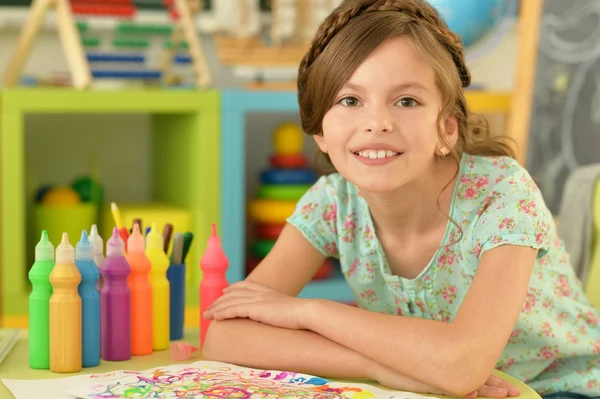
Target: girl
(443, 237)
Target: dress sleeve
(514, 213)
(316, 217)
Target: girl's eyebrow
(396, 87)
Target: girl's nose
(378, 122)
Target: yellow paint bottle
(65, 311)
(159, 262)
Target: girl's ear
(449, 135)
(320, 140)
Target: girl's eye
(349, 101)
(408, 102)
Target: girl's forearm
(251, 344)
(410, 346)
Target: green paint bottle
(39, 304)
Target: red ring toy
(325, 271)
(288, 161)
(269, 231)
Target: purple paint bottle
(115, 302)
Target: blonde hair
(355, 28)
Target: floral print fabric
(555, 345)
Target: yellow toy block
(179, 217)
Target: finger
(222, 308)
(229, 296)
(215, 308)
(235, 286)
(233, 312)
(490, 391)
(500, 383)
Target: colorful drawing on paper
(211, 380)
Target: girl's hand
(248, 299)
(494, 387)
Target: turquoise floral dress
(555, 345)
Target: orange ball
(61, 196)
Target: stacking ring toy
(288, 176)
(269, 231)
(286, 192)
(288, 161)
(288, 138)
(269, 211)
(261, 248)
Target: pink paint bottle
(214, 264)
(115, 298)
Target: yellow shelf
(483, 102)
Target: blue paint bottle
(90, 302)
(176, 277)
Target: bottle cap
(83, 250)
(44, 250)
(214, 239)
(65, 253)
(136, 241)
(115, 245)
(214, 256)
(96, 240)
(154, 240)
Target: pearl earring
(444, 151)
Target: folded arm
(456, 356)
(252, 344)
(239, 340)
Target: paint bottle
(176, 277)
(65, 311)
(90, 302)
(98, 252)
(214, 264)
(115, 302)
(160, 288)
(39, 304)
(141, 294)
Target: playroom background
(188, 123)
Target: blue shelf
(334, 289)
(235, 105)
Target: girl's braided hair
(357, 27)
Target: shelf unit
(235, 106)
(185, 148)
(196, 131)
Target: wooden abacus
(180, 11)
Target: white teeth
(373, 154)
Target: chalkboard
(565, 124)
(265, 5)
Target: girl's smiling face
(382, 131)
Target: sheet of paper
(200, 380)
(57, 388)
(207, 379)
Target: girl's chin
(376, 185)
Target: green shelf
(185, 147)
